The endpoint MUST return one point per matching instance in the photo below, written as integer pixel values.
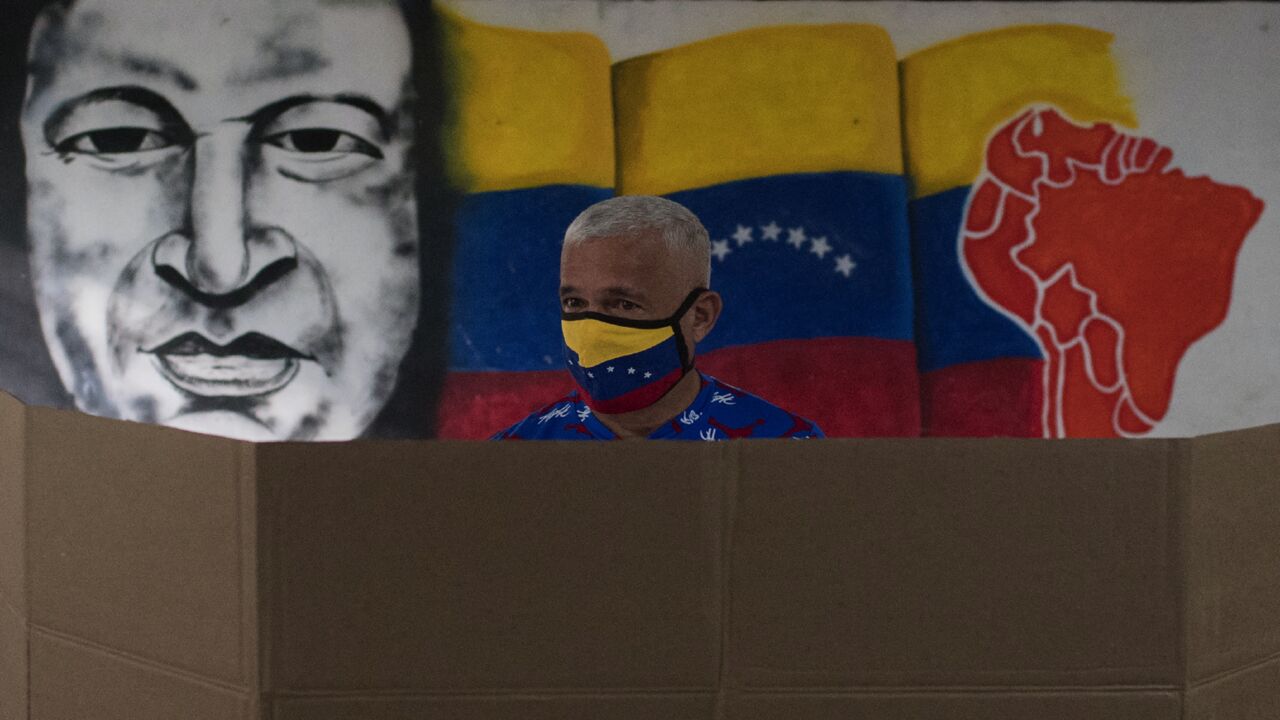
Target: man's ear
(703, 315)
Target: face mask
(624, 365)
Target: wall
(977, 219)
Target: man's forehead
(639, 264)
(634, 250)
(211, 45)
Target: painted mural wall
(322, 220)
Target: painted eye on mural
(115, 141)
(322, 141)
(318, 140)
(116, 127)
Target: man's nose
(220, 250)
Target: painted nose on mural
(221, 252)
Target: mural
(221, 219)
(239, 221)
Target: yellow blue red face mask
(622, 364)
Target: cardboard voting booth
(147, 573)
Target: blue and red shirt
(719, 412)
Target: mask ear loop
(686, 362)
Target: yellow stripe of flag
(957, 93)
(598, 342)
(768, 101)
(525, 108)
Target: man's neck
(641, 423)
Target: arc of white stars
(796, 237)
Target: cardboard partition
(150, 573)
(13, 545)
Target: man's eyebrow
(269, 112)
(623, 291)
(131, 94)
(616, 291)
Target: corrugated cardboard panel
(73, 682)
(573, 707)
(1083, 705)
(468, 566)
(13, 419)
(13, 545)
(954, 563)
(13, 664)
(1249, 694)
(1233, 550)
(133, 540)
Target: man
(222, 210)
(635, 299)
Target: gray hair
(633, 215)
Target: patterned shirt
(719, 412)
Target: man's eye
(626, 305)
(570, 303)
(322, 140)
(115, 141)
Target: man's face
(221, 213)
(637, 278)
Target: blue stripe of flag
(953, 324)
(506, 312)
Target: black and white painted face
(221, 213)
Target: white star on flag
(610, 368)
(795, 236)
(720, 248)
(820, 247)
(648, 375)
(631, 371)
(743, 235)
(770, 231)
(845, 265)
(593, 377)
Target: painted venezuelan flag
(981, 372)
(786, 142)
(529, 140)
